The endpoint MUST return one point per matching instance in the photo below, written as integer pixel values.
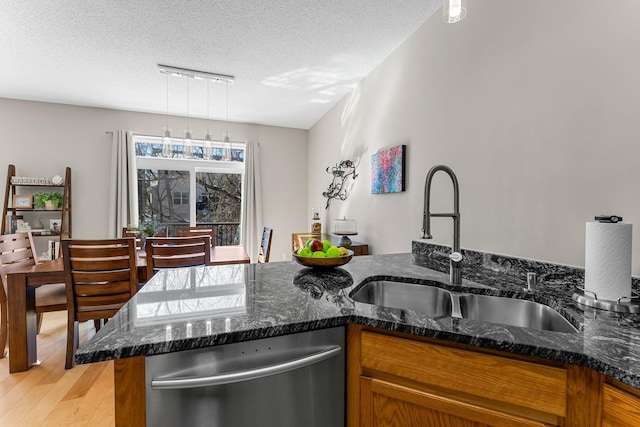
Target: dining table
(21, 292)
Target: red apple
(315, 245)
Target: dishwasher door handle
(246, 375)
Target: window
(181, 197)
(190, 184)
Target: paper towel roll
(607, 264)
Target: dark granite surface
(182, 309)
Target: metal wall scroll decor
(341, 173)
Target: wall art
(388, 170)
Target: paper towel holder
(590, 299)
(608, 218)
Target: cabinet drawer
(528, 385)
(619, 408)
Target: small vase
(49, 206)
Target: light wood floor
(49, 395)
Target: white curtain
(252, 209)
(123, 192)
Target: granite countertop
(182, 309)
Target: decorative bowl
(308, 261)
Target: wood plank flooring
(49, 395)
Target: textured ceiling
(292, 59)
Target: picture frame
(55, 225)
(24, 202)
(388, 170)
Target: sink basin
(515, 312)
(408, 296)
(440, 302)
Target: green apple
(343, 251)
(319, 254)
(304, 252)
(326, 244)
(333, 252)
(308, 242)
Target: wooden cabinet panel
(392, 405)
(524, 384)
(619, 407)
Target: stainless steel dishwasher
(292, 380)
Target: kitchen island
(200, 307)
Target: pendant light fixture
(227, 139)
(454, 11)
(187, 131)
(166, 131)
(188, 138)
(207, 134)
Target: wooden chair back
(265, 245)
(185, 231)
(172, 252)
(101, 276)
(136, 235)
(16, 254)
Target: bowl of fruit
(322, 254)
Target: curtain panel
(251, 232)
(123, 192)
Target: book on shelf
(54, 249)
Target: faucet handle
(532, 282)
(455, 256)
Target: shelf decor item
(388, 170)
(48, 201)
(54, 225)
(24, 202)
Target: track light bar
(195, 74)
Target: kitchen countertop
(182, 309)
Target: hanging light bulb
(454, 11)
(187, 132)
(166, 131)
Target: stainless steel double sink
(436, 301)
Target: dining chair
(200, 230)
(135, 234)
(16, 254)
(172, 252)
(101, 276)
(265, 245)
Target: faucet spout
(455, 258)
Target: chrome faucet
(455, 258)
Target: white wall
(535, 106)
(40, 139)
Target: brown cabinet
(400, 380)
(620, 406)
(298, 240)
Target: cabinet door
(619, 408)
(386, 404)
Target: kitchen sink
(516, 312)
(409, 296)
(435, 301)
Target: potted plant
(48, 201)
(148, 229)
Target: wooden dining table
(21, 287)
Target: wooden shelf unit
(64, 212)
